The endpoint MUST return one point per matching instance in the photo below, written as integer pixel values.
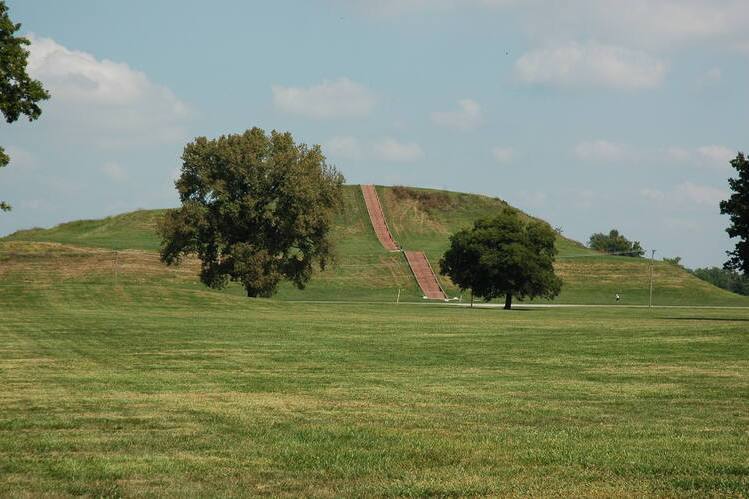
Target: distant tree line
(724, 278)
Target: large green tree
(256, 209)
(737, 207)
(616, 243)
(19, 93)
(504, 256)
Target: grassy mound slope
(424, 219)
(420, 219)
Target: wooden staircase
(424, 274)
(377, 216)
(417, 260)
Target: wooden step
(424, 274)
(377, 216)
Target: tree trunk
(508, 301)
(471, 298)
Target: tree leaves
(256, 209)
(615, 243)
(737, 207)
(503, 256)
(19, 93)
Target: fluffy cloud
(652, 194)
(394, 8)
(712, 76)
(664, 22)
(341, 98)
(532, 199)
(466, 117)
(600, 150)
(503, 154)
(639, 23)
(687, 193)
(386, 149)
(713, 156)
(343, 147)
(390, 149)
(103, 102)
(20, 158)
(700, 194)
(590, 64)
(114, 171)
(717, 155)
(678, 154)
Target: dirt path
(417, 260)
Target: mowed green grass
(176, 391)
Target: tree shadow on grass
(709, 319)
(513, 309)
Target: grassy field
(122, 377)
(152, 390)
(420, 219)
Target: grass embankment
(424, 219)
(420, 219)
(179, 391)
(134, 230)
(363, 270)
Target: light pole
(652, 258)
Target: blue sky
(594, 114)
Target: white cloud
(386, 149)
(20, 158)
(344, 147)
(532, 199)
(682, 224)
(114, 171)
(467, 117)
(716, 155)
(590, 65)
(390, 149)
(103, 102)
(395, 8)
(686, 193)
(644, 24)
(652, 194)
(711, 156)
(668, 22)
(341, 98)
(712, 76)
(700, 194)
(678, 154)
(503, 154)
(600, 150)
(585, 198)
(742, 46)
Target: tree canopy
(613, 242)
(19, 93)
(737, 207)
(724, 278)
(504, 256)
(256, 209)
